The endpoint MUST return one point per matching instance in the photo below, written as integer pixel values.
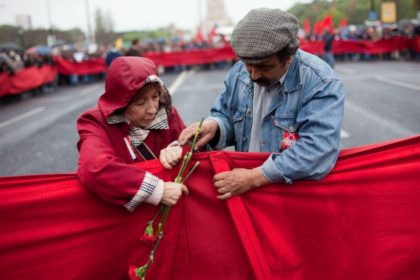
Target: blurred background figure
(112, 54)
(135, 49)
(328, 39)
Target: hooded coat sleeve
(106, 173)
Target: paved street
(38, 133)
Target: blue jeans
(329, 58)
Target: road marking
(345, 70)
(22, 116)
(397, 82)
(344, 134)
(179, 80)
(366, 115)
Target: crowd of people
(15, 59)
(12, 60)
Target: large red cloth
(192, 57)
(360, 222)
(26, 79)
(86, 67)
(382, 46)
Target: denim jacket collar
(293, 80)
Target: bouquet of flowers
(139, 273)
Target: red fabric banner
(360, 222)
(205, 56)
(192, 57)
(382, 46)
(415, 44)
(86, 67)
(26, 79)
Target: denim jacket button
(244, 139)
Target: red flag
(318, 28)
(212, 33)
(199, 37)
(343, 22)
(328, 23)
(307, 26)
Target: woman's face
(143, 108)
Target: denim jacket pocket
(239, 127)
(287, 123)
(281, 126)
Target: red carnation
(132, 272)
(148, 238)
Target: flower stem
(164, 209)
(191, 172)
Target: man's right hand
(208, 131)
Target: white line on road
(344, 134)
(22, 116)
(369, 116)
(179, 80)
(397, 82)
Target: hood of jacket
(125, 77)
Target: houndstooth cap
(262, 33)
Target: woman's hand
(170, 156)
(172, 192)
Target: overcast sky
(126, 14)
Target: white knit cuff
(146, 189)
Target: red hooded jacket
(104, 161)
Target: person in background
(135, 49)
(277, 99)
(134, 121)
(112, 54)
(328, 39)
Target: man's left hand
(238, 181)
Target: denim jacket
(310, 103)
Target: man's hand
(170, 156)
(172, 192)
(238, 181)
(208, 130)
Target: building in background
(216, 16)
(24, 22)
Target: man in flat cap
(277, 99)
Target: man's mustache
(262, 81)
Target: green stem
(188, 155)
(197, 132)
(156, 215)
(191, 172)
(165, 209)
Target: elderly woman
(134, 121)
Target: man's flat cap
(262, 33)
